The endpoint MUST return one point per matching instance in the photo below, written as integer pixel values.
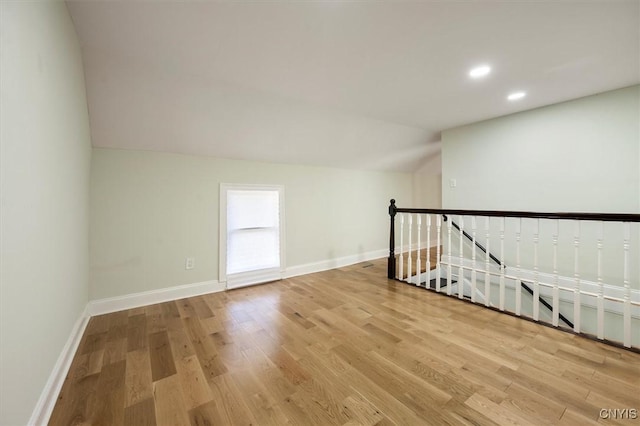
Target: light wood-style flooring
(342, 347)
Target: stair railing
(502, 265)
(566, 261)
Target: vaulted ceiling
(348, 84)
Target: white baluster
(627, 288)
(487, 277)
(502, 265)
(576, 276)
(600, 246)
(410, 257)
(449, 221)
(460, 269)
(536, 281)
(556, 290)
(418, 258)
(401, 272)
(428, 259)
(518, 284)
(473, 259)
(438, 277)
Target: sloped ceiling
(347, 84)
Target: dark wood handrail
(393, 210)
(605, 217)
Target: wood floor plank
(454, 386)
(185, 308)
(107, 405)
(137, 332)
(289, 367)
(156, 323)
(114, 351)
(97, 324)
(385, 402)
(316, 406)
(344, 347)
(194, 385)
(361, 410)
(235, 409)
(208, 414)
(87, 364)
(531, 404)
(494, 411)
(169, 403)
(138, 381)
(420, 399)
(170, 310)
(162, 363)
(260, 401)
(205, 349)
(93, 342)
(142, 413)
(276, 384)
(567, 393)
(72, 405)
(201, 309)
(620, 391)
(463, 414)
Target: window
(251, 231)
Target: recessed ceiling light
(516, 95)
(480, 71)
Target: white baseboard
(325, 265)
(135, 300)
(49, 395)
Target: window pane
(252, 209)
(253, 230)
(253, 249)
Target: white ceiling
(348, 84)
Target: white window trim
(252, 277)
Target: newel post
(391, 262)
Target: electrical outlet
(452, 183)
(189, 263)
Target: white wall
(580, 155)
(150, 210)
(45, 160)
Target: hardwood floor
(339, 347)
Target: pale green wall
(580, 155)
(45, 160)
(151, 210)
